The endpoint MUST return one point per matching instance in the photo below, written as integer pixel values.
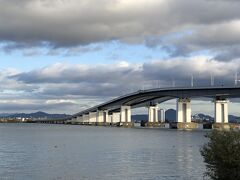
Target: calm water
(35, 151)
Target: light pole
(192, 81)
(236, 79)
(212, 80)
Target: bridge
(118, 110)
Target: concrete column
(221, 111)
(105, 117)
(184, 110)
(74, 119)
(100, 116)
(85, 118)
(92, 117)
(115, 117)
(110, 118)
(162, 115)
(79, 119)
(153, 113)
(125, 116)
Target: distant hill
(140, 117)
(5, 114)
(170, 115)
(234, 119)
(203, 117)
(36, 115)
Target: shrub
(222, 155)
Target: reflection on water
(35, 151)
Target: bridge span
(118, 111)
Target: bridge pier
(73, 120)
(115, 118)
(221, 114)
(102, 118)
(125, 116)
(162, 116)
(221, 111)
(184, 110)
(79, 120)
(92, 118)
(85, 119)
(184, 115)
(153, 116)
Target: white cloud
(182, 28)
(65, 23)
(76, 87)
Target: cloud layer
(180, 27)
(74, 87)
(199, 38)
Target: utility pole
(212, 80)
(236, 79)
(158, 83)
(173, 82)
(192, 81)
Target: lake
(42, 151)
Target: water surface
(39, 151)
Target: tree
(222, 155)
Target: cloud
(114, 79)
(31, 106)
(200, 38)
(181, 28)
(65, 73)
(220, 40)
(74, 87)
(67, 23)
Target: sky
(62, 56)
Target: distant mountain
(37, 115)
(233, 119)
(140, 117)
(203, 117)
(5, 114)
(170, 115)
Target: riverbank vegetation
(222, 155)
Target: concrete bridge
(118, 111)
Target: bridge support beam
(221, 114)
(153, 113)
(115, 118)
(125, 116)
(153, 116)
(162, 116)
(184, 110)
(79, 120)
(184, 116)
(85, 118)
(221, 111)
(73, 120)
(102, 118)
(106, 117)
(92, 118)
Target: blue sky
(64, 56)
(105, 53)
